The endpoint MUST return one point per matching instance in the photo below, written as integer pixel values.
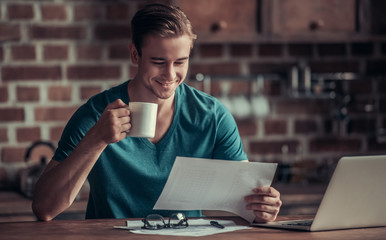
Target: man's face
(163, 65)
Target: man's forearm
(61, 182)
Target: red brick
(382, 105)
(3, 94)
(10, 31)
(376, 67)
(216, 68)
(11, 114)
(235, 87)
(269, 67)
(360, 87)
(87, 12)
(305, 170)
(270, 50)
(272, 88)
(27, 94)
(241, 50)
(195, 84)
(362, 48)
(13, 154)
(247, 127)
(56, 133)
(53, 12)
(10, 73)
(363, 125)
(23, 52)
(54, 113)
(211, 50)
(334, 66)
(89, 52)
(59, 93)
(364, 105)
(307, 106)
(93, 72)
(28, 134)
(300, 49)
(87, 92)
(375, 146)
(305, 126)
(273, 146)
(117, 12)
(132, 71)
(57, 32)
(275, 126)
(112, 32)
(381, 88)
(3, 134)
(332, 49)
(20, 11)
(383, 47)
(119, 52)
(55, 52)
(330, 144)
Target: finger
(263, 199)
(264, 217)
(269, 191)
(263, 208)
(119, 112)
(126, 127)
(122, 113)
(116, 104)
(125, 120)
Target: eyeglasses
(156, 221)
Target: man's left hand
(265, 203)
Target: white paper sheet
(208, 184)
(196, 228)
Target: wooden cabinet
(222, 19)
(298, 20)
(310, 18)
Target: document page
(210, 184)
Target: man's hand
(114, 123)
(265, 203)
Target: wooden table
(103, 229)
(15, 207)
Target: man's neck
(137, 93)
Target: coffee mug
(143, 119)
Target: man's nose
(170, 72)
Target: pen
(216, 224)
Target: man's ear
(133, 53)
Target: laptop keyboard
(301, 223)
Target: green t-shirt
(129, 175)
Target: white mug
(143, 119)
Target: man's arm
(60, 182)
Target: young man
(127, 174)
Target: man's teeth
(166, 84)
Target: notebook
(355, 198)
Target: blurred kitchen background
(305, 81)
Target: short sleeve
(228, 141)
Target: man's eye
(179, 63)
(158, 63)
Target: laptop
(355, 198)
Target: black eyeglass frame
(182, 223)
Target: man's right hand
(114, 123)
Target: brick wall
(54, 55)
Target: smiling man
(127, 174)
